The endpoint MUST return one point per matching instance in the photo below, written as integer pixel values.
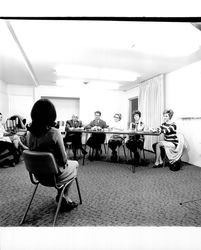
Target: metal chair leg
(83, 159)
(133, 165)
(125, 152)
(118, 153)
(133, 168)
(105, 148)
(92, 154)
(144, 154)
(58, 205)
(78, 189)
(181, 203)
(164, 160)
(25, 214)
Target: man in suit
(74, 137)
(96, 139)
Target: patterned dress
(170, 132)
(170, 142)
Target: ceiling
(125, 53)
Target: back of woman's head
(43, 115)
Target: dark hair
(169, 112)
(97, 112)
(0, 113)
(23, 120)
(137, 112)
(118, 114)
(43, 115)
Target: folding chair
(42, 170)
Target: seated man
(75, 138)
(96, 139)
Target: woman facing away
(43, 136)
(170, 142)
(116, 139)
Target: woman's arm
(141, 127)
(61, 153)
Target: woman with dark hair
(43, 136)
(170, 142)
(136, 141)
(20, 122)
(13, 138)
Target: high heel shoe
(66, 205)
(158, 166)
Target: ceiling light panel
(85, 72)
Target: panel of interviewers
(42, 135)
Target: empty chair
(42, 170)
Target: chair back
(42, 165)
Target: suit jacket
(73, 124)
(99, 123)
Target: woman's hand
(153, 129)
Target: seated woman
(8, 148)
(96, 139)
(75, 138)
(116, 139)
(136, 142)
(43, 136)
(21, 128)
(20, 122)
(170, 142)
(11, 138)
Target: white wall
(183, 88)
(20, 100)
(107, 101)
(3, 99)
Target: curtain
(151, 105)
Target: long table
(108, 131)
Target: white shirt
(116, 126)
(2, 131)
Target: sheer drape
(151, 105)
